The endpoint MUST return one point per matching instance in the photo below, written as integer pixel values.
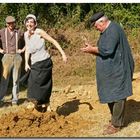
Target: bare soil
(76, 110)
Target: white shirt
(35, 45)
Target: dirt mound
(30, 123)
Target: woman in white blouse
(40, 79)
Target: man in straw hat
(12, 46)
(114, 68)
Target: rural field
(76, 110)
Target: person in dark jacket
(12, 46)
(114, 68)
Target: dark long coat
(114, 65)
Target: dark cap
(10, 19)
(95, 17)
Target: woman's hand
(27, 67)
(64, 58)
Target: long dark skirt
(40, 81)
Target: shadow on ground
(71, 107)
(132, 111)
(8, 103)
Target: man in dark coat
(114, 68)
